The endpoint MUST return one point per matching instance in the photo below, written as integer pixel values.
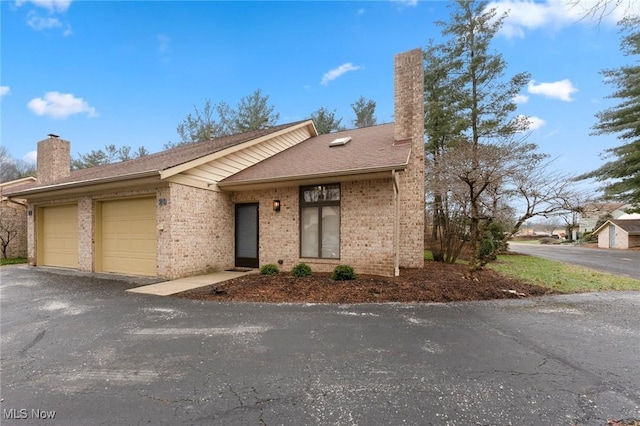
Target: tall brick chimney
(409, 125)
(54, 159)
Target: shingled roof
(631, 226)
(371, 149)
(151, 163)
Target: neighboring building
(281, 194)
(598, 211)
(619, 234)
(13, 219)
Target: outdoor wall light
(276, 205)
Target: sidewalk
(176, 286)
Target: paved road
(82, 347)
(619, 262)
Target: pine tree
(480, 101)
(622, 173)
(326, 121)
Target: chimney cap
(51, 136)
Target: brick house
(282, 194)
(619, 234)
(13, 218)
(596, 212)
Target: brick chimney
(409, 125)
(54, 159)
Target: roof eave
(82, 183)
(279, 179)
(179, 168)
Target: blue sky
(126, 73)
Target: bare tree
(8, 232)
(11, 168)
(600, 9)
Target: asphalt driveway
(81, 347)
(618, 262)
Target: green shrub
(588, 237)
(269, 269)
(343, 273)
(487, 247)
(301, 270)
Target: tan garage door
(58, 245)
(128, 236)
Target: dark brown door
(247, 235)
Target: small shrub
(588, 237)
(343, 273)
(301, 270)
(269, 269)
(548, 240)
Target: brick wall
(368, 211)
(86, 226)
(197, 234)
(14, 217)
(54, 159)
(366, 227)
(409, 124)
(621, 238)
(278, 231)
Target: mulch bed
(436, 282)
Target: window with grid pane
(320, 221)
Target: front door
(247, 235)
(612, 236)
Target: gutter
(78, 184)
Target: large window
(320, 221)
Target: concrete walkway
(183, 284)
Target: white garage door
(58, 242)
(128, 236)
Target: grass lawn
(560, 276)
(14, 261)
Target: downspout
(396, 224)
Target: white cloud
(529, 14)
(337, 72)
(520, 99)
(4, 91)
(49, 21)
(60, 105)
(30, 157)
(360, 11)
(51, 5)
(559, 89)
(40, 23)
(535, 122)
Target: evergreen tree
(365, 112)
(326, 121)
(622, 173)
(110, 154)
(215, 120)
(253, 113)
(480, 100)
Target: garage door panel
(129, 236)
(59, 239)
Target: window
(320, 221)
